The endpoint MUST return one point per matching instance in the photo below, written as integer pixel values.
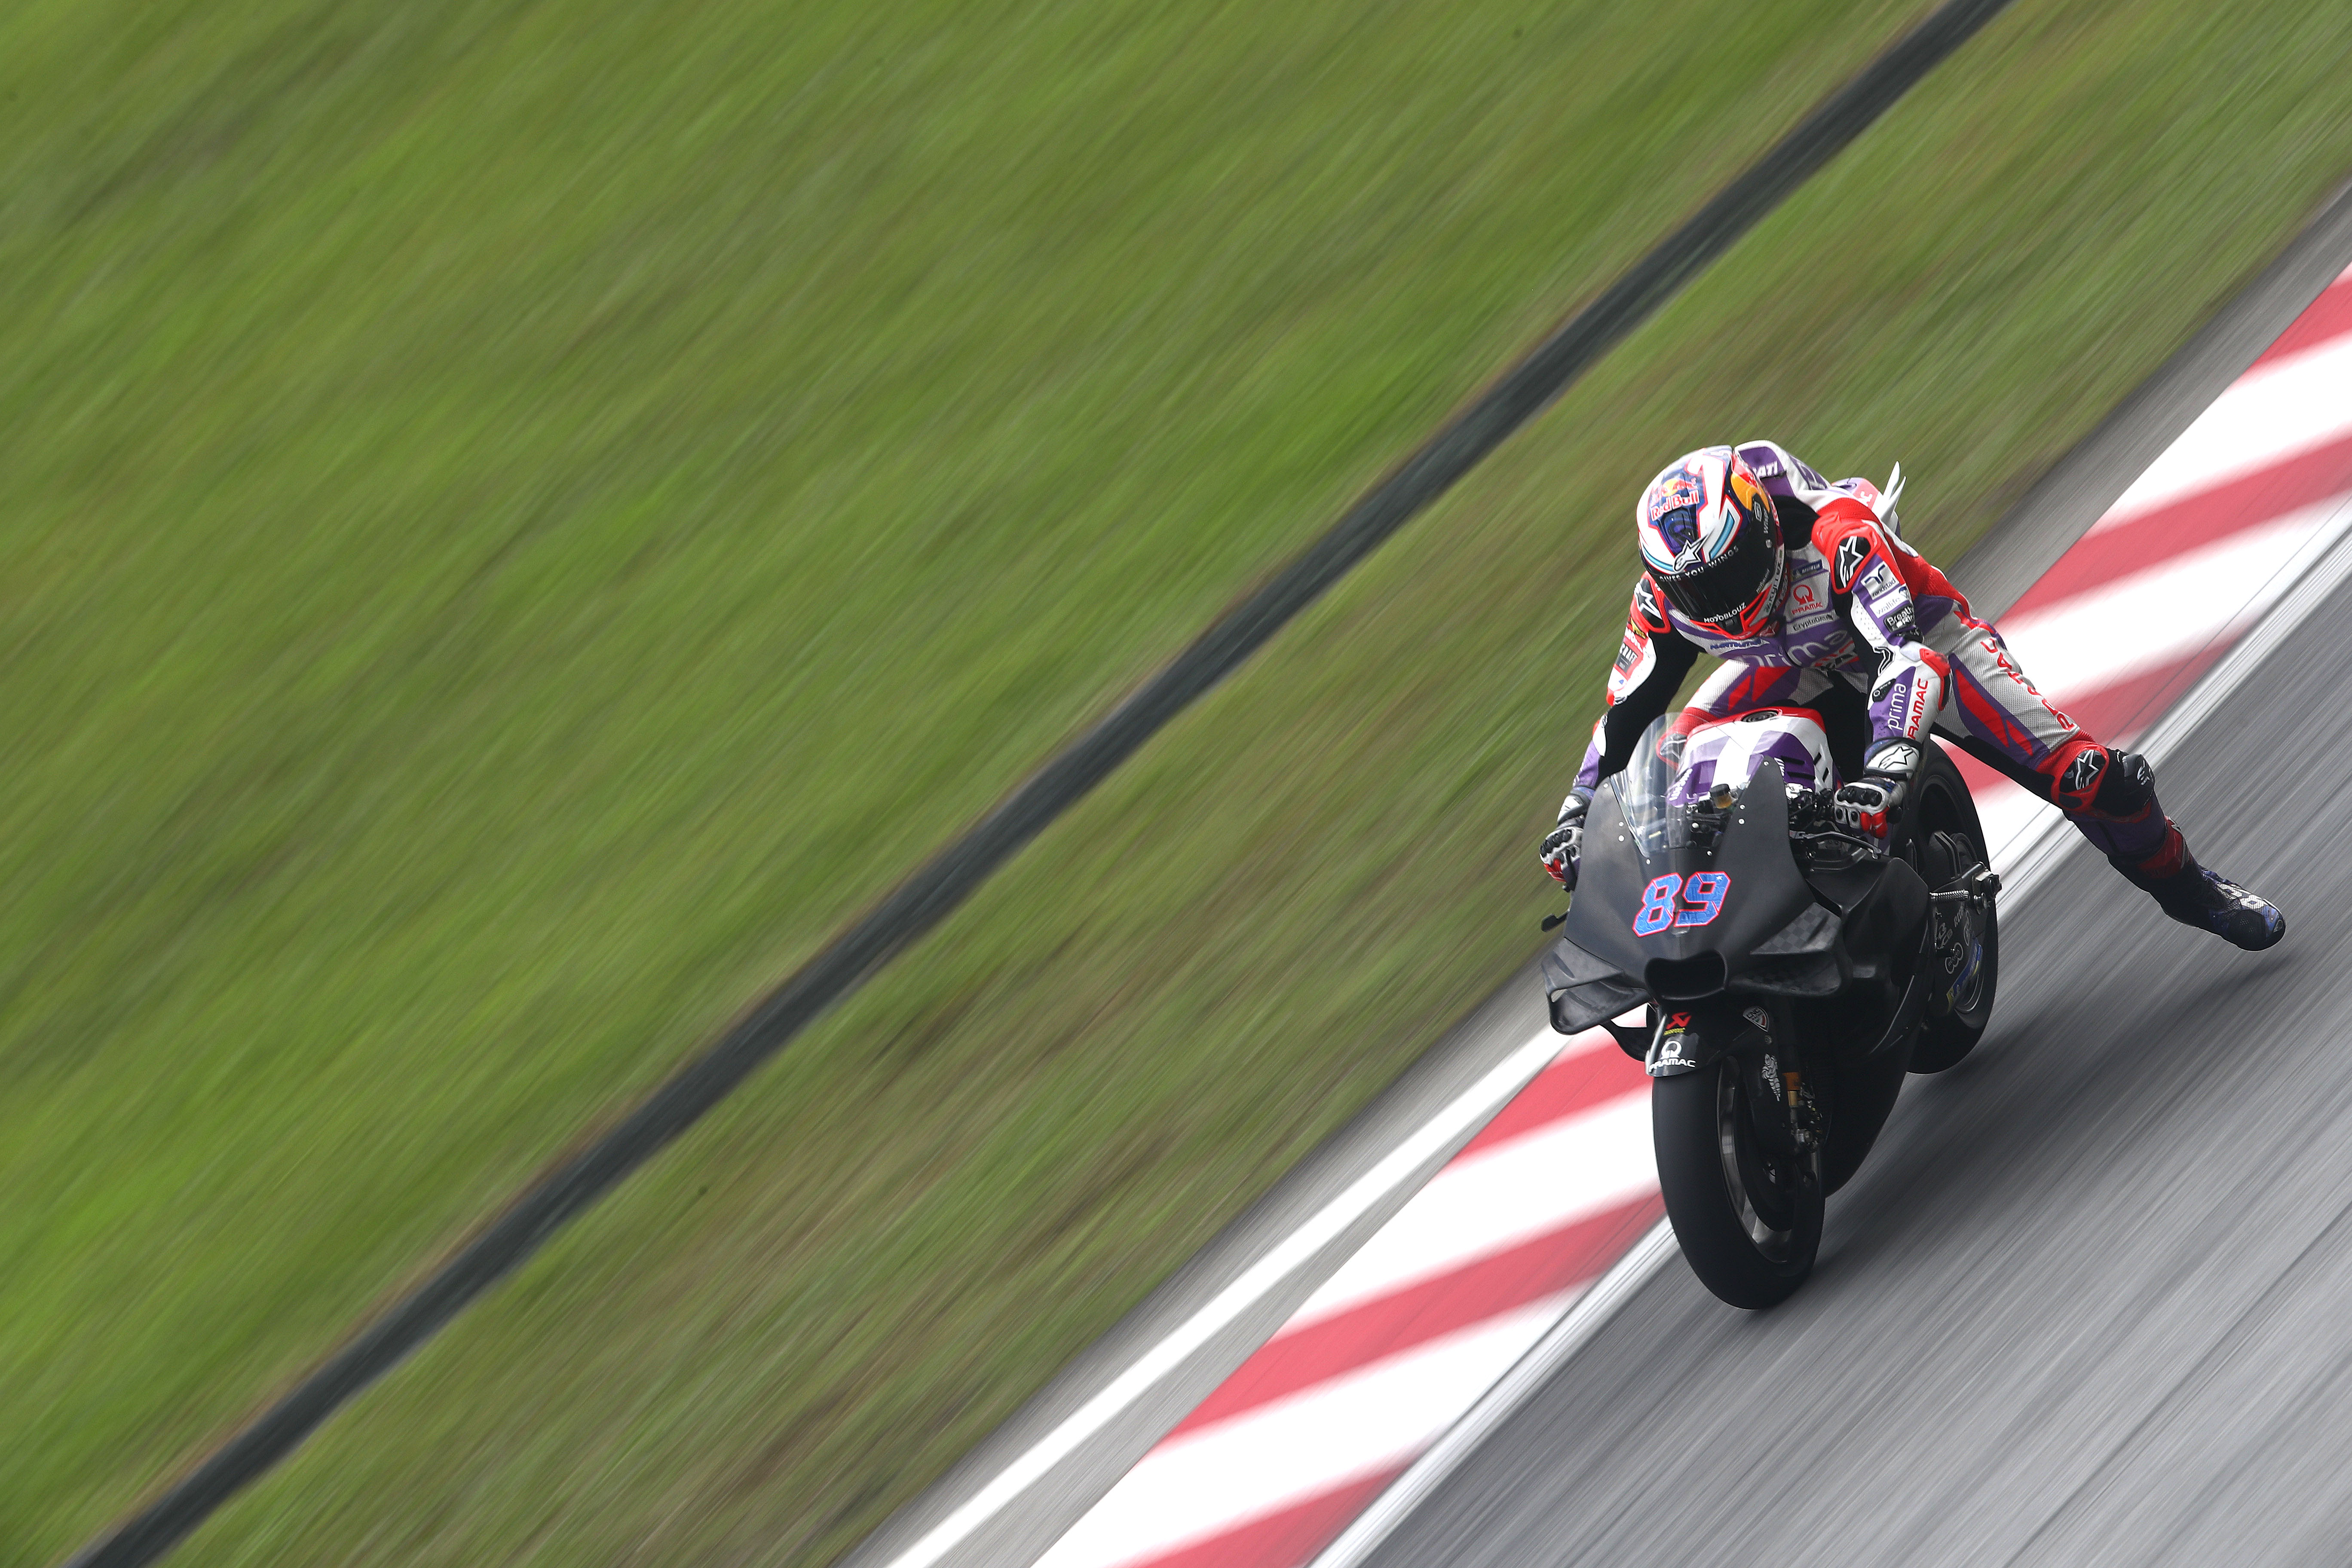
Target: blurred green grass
(523, 519)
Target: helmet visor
(1721, 589)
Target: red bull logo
(1682, 488)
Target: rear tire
(1750, 1223)
(1945, 805)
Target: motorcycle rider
(1810, 597)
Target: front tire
(1749, 1221)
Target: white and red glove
(1563, 847)
(1870, 804)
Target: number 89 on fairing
(1702, 897)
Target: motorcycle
(1791, 974)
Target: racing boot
(2211, 902)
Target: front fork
(1781, 1075)
(1762, 1038)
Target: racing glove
(1563, 847)
(1870, 804)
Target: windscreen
(1644, 792)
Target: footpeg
(1976, 888)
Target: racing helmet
(1712, 542)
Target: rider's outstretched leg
(2108, 795)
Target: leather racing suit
(1880, 643)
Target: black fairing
(1886, 921)
(1586, 990)
(1823, 980)
(1765, 893)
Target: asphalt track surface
(2047, 521)
(2087, 1301)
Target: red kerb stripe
(2098, 559)
(2329, 316)
(1575, 1083)
(1419, 1313)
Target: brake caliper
(1796, 1096)
(1956, 929)
(1787, 1087)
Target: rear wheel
(1943, 839)
(1748, 1218)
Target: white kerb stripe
(1458, 1117)
(1581, 1165)
(1360, 1424)
(2162, 616)
(1558, 1344)
(2266, 416)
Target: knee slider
(2129, 788)
(2109, 781)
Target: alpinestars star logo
(2083, 773)
(1645, 601)
(1852, 550)
(1900, 759)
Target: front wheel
(1749, 1220)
